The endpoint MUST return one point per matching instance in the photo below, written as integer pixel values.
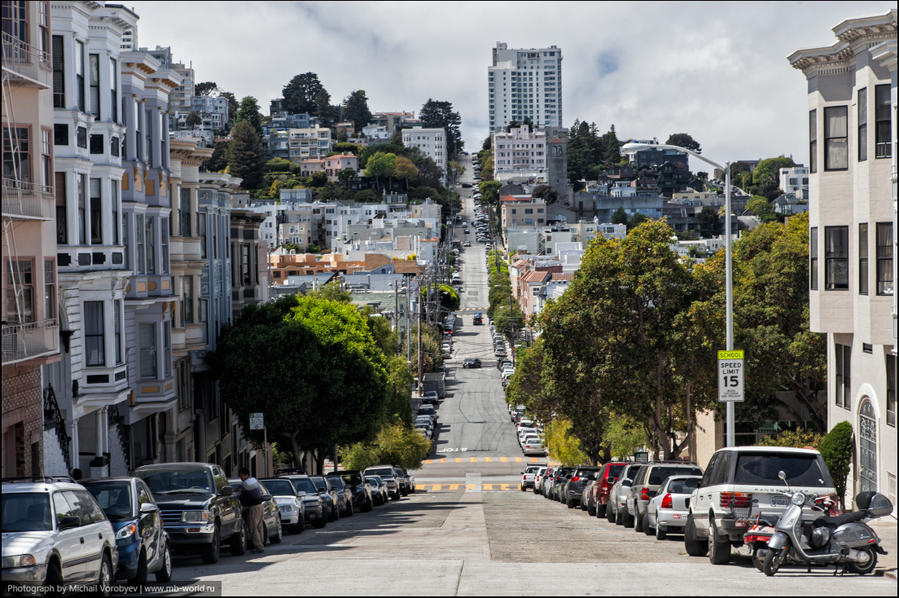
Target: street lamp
(729, 288)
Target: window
(884, 243)
(96, 212)
(17, 154)
(138, 136)
(82, 208)
(118, 315)
(164, 245)
(201, 230)
(97, 144)
(59, 73)
(215, 245)
(81, 137)
(812, 141)
(60, 134)
(114, 146)
(184, 213)
(46, 159)
(187, 301)
(842, 357)
(94, 60)
(140, 266)
(204, 318)
(20, 277)
(126, 228)
(49, 289)
(863, 258)
(167, 348)
(147, 342)
(836, 143)
(79, 73)
(836, 257)
(94, 350)
(862, 124)
(148, 132)
(114, 89)
(62, 224)
(245, 264)
(114, 201)
(882, 121)
(151, 246)
(892, 384)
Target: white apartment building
(852, 235)
(794, 181)
(525, 83)
(519, 155)
(431, 143)
(311, 142)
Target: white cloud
(715, 70)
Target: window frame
(832, 139)
(21, 156)
(147, 353)
(60, 189)
(20, 265)
(863, 258)
(98, 334)
(892, 369)
(884, 240)
(93, 61)
(118, 331)
(813, 258)
(79, 75)
(96, 211)
(59, 71)
(883, 109)
(50, 304)
(832, 260)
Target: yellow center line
(427, 461)
(435, 487)
(442, 460)
(473, 460)
(488, 486)
(503, 459)
(488, 460)
(518, 459)
(453, 486)
(504, 486)
(458, 459)
(469, 486)
(534, 460)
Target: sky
(715, 70)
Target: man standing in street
(251, 498)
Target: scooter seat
(838, 520)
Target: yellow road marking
(488, 460)
(473, 460)
(442, 460)
(458, 459)
(435, 487)
(533, 460)
(503, 459)
(469, 486)
(426, 462)
(453, 486)
(488, 486)
(504, 486)
(518, 459)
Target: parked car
(471, 362)
(538, 478)
(533, 448)
(571, 495)
(361, 489)
(401, 480)
(378, 489)
(501, 364)
(141, 541)
(410, 480)
(740, 484)
(430, 397)
(545, 481)
(618, 493)
(330, 499)
(197, 506)
(54, 532)
(599, 491)
(344, 495)
(291, 506)
(389, 476)
(313, 504)
(667, 511)
(527, 477)
(562, 476)
(646, 485)
(271, 515)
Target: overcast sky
(716, 70)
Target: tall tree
(403, 168)
(205, 88)
(249, 112)
(300, 94)
(379, 166)
(246, 156)
(326, 113)
(436, 114)
(355, 108)
(233, 106)
(684, 140)
(193, 119)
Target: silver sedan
(668, 510)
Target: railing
(24, 341)
(26, 61)
(24, 199)
(53, 419)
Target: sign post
(730, 376)
(257, 422)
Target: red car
(606, 478)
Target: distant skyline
(716, 71)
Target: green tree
(278, 165)
(758, 205)
(836, 448)
(766, 176)
(345, 176)
(404, 169)
(219, 159)
(205, 88)
(347, 148)
(249, 112)
(319, 179)
(359, 455)
(619, 216)
(624, 436)
(380, 165)
(332, 291)
(246, 156)
(193, 119)
(684, 140)
(440, 114)
(489, 192)
(546, 193)
(399, 390)
(402, 446)
(355, 108)
(233, 106)
(798, 438)
(636, 220)
(563, 445)
(303, 94)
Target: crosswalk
(484, 460)
(466, 487)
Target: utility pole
(420, 384)
(408, 281)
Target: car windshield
(279, 487)
(762, 468)
(614, 471)
(26, 512)
(683, 486)
(532, 469)
(320, 483)
(304, 485)
(631, 472)
(114, 498)
(382, 471)
(375, 482)
(658, 474)
(336, 482)
(175, 481)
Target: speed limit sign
(730, 376)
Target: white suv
(742, 482)
(54, 532)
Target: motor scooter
(758, 534)
(842, 540)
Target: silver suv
(54, 532)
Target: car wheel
(238, 541)
(265, 539)
(758, 558)
(369, 505)
(521, 487)
(629, 520)
(212, 552)
(661, 534)
(104, 579)
(601, 511)
(164, 574)
(569, 502)
(140, 578)
(412, 490)
(591, 510)
(335, 513)
(639, 522)
(54, 575)
(692, 545)
(647, 529)
(396, 496)
(300, 526)
(349, 509)
(320, 522)
(719, 552)
(279, 533)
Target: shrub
(798, 438)
(836, 448)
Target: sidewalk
(885, 528)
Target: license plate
(779, 501)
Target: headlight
(126, 532)
(19, 560)
(798, 499)
(195, 516)
(289, 508)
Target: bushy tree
(205, 88)
(303, 94)
(379, 166)
(546, 193)
(684, 140)
(193, 119)
(563, 445)
(249, 112)
(246, 156)
(440, 114)
(355, 108)
(836, 449)
(798, 438)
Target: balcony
(25, 64)
(30, 340)
(23, 199)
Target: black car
(141, 541)
(360, 488)
(571, 493)
(197, 506)
(344, 495)
(330, 499)
(402, 479)
(379, 492)
(471, 362)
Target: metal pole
(729, 293)
(419, 343)
(408, 281)
(265, 451)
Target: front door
(867, 448)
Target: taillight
(575, 478)
(735, 500)
(644, 493)
(666, 502)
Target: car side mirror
(147, 508)
(610, 481)
(782, 475)
(70, 522)
(627, 483)
(227, 491)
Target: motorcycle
(757, 536)
(829, 540)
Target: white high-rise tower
(525, 84)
